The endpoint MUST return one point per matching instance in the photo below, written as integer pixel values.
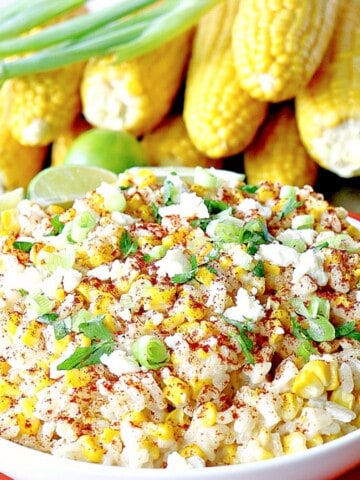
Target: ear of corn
(134, 96)
(220, 116)
(277, 153)
(169, 145)
(62, 143)
(328, 109)
(18, 163)
(278, 45)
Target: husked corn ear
(136, 95)
(61, 144)
(18, 163)
(220, 117)
(328, 109)
(40, 106)
(170, 144)
(277, 153)
(278, 44)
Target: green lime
(11, 199)
(113, 150)
(63, 184)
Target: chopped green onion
(155, 253)
(204, 178)
(150, 352)
(297, 243)
(302, 221)
(40, 303)
(39, 13)
(249, 188)
(287, 191)
(53, 260)
(114, 200)
(82, 225)
(289, 207)
(139, 34)
(317, 313)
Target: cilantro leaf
(155, 212)
(249, 188)
(48, 318)
(246, 344)
(23, 246)
(189, 275)
(127, 244)
(216, 206)
(259, 270)
(57, 226)
(347, 330)
(84, 356)
(95, 329)
(291, 205)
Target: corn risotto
(170, 323)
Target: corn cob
(328, 109)
(220, 116)
(134, 96)
(169, 144)
(18, 163)
(278, 45)
(39, 107)
(62, 143)
(277, 154)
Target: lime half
(63, 184)
(11, 199)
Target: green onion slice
(150, 352)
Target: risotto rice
(177, 324)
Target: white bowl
(318, 463)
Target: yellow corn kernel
(27, 405)
(160, 299)
(4, 368)
(176, 391)
(328, 107)
(136, 417)
(315, 441)
(169, 144)
(264, 193)
(225, 262)
(220, 117)
(151, 447)
(144, 177)
(342, 398)
(174, 321)
(177, 418)
(277, 154)
(28, 425)
(198, 330)
(160, 431)
(85, 341)
(334, 436)
(283, 316)
(308, 385)
(5, 403)
(203, 354)
(60, 295)
(8, 388)
(109, 434)
(13, 322)
(32, 335)
(294, 442)
(60, 345)
(77, 378)
(228, 454)
(54, 209)
(134, 95)
(197, 384)
(291, 405)
(261, 453)
(192, 309)
(208, 414)
(192, 450)
(269, 68)
(204, 276)
(91, 449)
(9, 220)
(175, 238)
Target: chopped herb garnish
(23, 292)
(171, 191)
(305, 350)
(245, 342)
(291, 205)
(347, 330)
(249, 188)
(127, 244)
(155, 212)
(254, 234)
(216, 206)
(62, 328)
(150, 352)
(23, 246)
(57, 226)
(101, 343)
(317, 314)
(48, 318)
(259, 270)
(320, 246)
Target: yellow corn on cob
(278, 44)
(221, 118)
(277, 153)
(170, 144)
(39, 107)
(18, 163)
(62, 143)
(328, 109)
(134, 96)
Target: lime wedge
(11, 199)
(63, 184)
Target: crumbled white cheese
(102, 272)
(217, 296)
(247, 307)
(280, 255)
(240, 257)
(118, 362)
(175, 462)
(123, 219)
(190, 206)
(173, 263)
(307, 235)
(249, 204)
(311, 263)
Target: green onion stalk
(128, 28)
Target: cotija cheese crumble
(174, 324)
